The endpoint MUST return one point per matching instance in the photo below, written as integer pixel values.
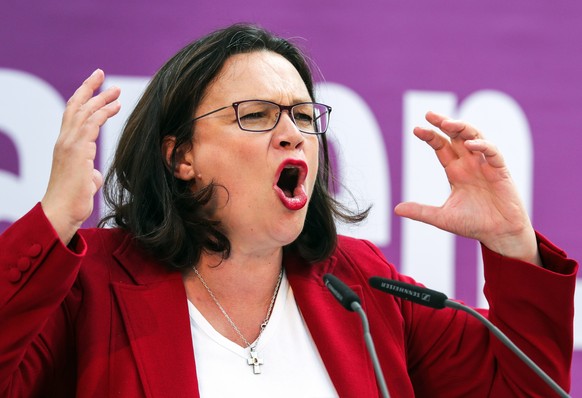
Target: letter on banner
(501, 120)
(428, 253)
(30, 114)
(359, 148)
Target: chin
(286, 234)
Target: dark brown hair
(161, 211)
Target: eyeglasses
(258, 116)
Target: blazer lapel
(155, 313)
(337, 333)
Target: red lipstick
(289, 183)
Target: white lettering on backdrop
(30, 115)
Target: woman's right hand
(74, 181)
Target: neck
(248, 278)
(244, 287)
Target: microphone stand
(351, 302)
(370, 344)
(437, 300)
(509, 344)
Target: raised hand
(484, 203)
(74, 181)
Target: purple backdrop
(380, 49)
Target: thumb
(97, 180)
(418, 212)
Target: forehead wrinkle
(287, 87)
(259, 63)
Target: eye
(253, 111)
(303, 117)
(253, 116)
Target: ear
(184, 167)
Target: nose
(286, 134)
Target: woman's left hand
(484, 203)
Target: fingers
(84, 92)
(98, 119)
(471, 139)
(98, 109)
(489, 151)
(83, 104)
(440, 144)
(459, 139)
(85, 113)
(455, 129)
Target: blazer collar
(154, 310)
(337, 333)
(141, 267)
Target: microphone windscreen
(418, 294)
(341, 291)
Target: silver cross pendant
(255, 361)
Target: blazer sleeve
(451, 354)
(37, 273)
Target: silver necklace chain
(253, 360)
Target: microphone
(346, 296)
(432, 298)
(417, 294)
(350, 301)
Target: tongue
(292, 200)
(288, 182)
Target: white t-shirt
(292, 364)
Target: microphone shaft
(505, 340)
(371, 349)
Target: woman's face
(268, 177)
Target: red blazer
(102, 318)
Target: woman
(212, 283)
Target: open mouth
(289, 183)
(288, 180)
